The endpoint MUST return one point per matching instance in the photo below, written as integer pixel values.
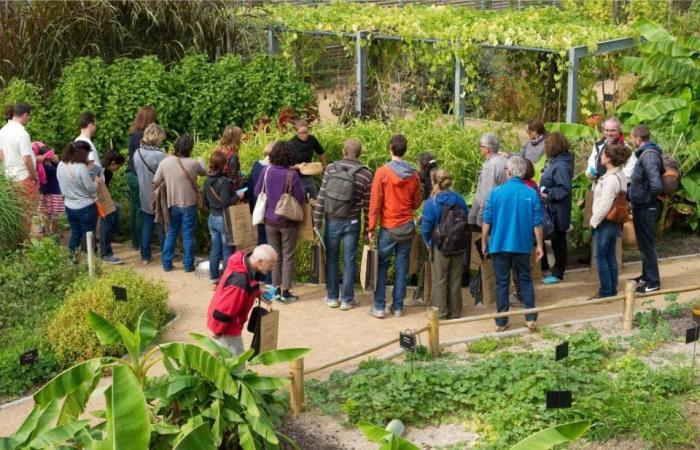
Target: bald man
(237, 291)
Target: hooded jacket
(557, 182)
(645, 182)
(234, 297)
(396, 193)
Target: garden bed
(635, 386)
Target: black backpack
(450, 236)
(340, 187)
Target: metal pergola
(363, 38)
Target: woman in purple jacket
(281, 233)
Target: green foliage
(68, 330)
(387, 439)
(506, 392)
(11, 215)
(552, 436)
(486, 345)
(18, 90)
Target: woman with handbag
(79, 191)
(284, 195)
(610, 211)
(145, 116)
(184, 197)
(218, 194)
(146, 160)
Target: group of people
(513, 214)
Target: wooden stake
(427, 282)
(296, 388)
(90, 242)
(628, 309)
(433, 331)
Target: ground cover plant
(501, 394)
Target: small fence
(297, 371)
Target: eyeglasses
(608, 130)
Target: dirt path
(332, 333)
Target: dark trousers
(644, 220)
(107, 227)
(561, 253)
(502, 265)
(135, 214)
(81, 221)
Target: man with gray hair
(612, 134)
(343, 200)
(493, 173)
(237, 291)
(512, 221)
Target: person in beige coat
(606, 232)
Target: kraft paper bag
(535, 266)
(318, 265)
(414, 259)
(369, 267)
(488, 282)
(265, 336)
(104, 196)
(306, 227)
(239, 222)
(474, 257)
(587, 210)
(629, 238)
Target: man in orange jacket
(236, 293)
(395, 195)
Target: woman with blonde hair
(229, 145)
(145, 116)
(146, 161)
(446, 269)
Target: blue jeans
(81, 221)
(147, 235)
(606, 235)
(503, 262)
(644, 221)
(220, 246)
(347, 231)
(107, 227)
(402, 250)
(180, 219)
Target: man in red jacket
(236, 293)
(396, 193)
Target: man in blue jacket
(512, 217)
(645, 186)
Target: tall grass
(11, 215)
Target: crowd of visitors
(512, 214)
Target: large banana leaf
(211, 345)
(387, 439)
(674, 68)
(279, 356)
(670, 48)
(147, 329)
(653, 108)
(106, 332)
(573, 131)
(58, 435)
(199, 438)
(68, 381)
(75, 402)
(549, 437)
(202, 362)
(652, 31)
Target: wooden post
(90, 242)
(296, 388)
(433, 331)
(628, 311)
(427, 282)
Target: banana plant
(549, 437)
(388, 438)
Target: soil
(333, 334)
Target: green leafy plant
(11, 215)
(388, 438)
(552, 436)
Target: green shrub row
(193, 95)
(11, 224)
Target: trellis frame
(363, 38)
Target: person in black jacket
(645, 186)
(218, 194)
(556, 184)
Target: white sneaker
(378, 313)
(391, 310)
(332, 303)
(347, 306)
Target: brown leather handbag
(620, 210)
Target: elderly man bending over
(236, 293)
(512, 217)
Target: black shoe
(639, 280)
(647, 289)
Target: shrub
(40, 127)
(11, 215)
(70, 334)
(16, 379)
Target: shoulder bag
(199, 195)
(261, 202)
(288, 206)
(620, 209)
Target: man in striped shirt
(343, 199)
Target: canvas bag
(261, 203)
(288, 206)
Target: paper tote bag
(369, 268)
(261, 203)
(318, 265)
(243, 233)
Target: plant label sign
(30, 357)
(119, 293)
(561, 351)
(692, 334)
(558, 399)
(407, 341)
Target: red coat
(233, 299)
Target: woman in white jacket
(606, 232)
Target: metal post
(628, 311)
(459, 104)
(296, 388)
(90, 241)
(433, 331)
(273, 44)
(360, 72)
(572, 85)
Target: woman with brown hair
(217, 196)
(534, 148)
(229, 145)
(556, 184)
(145, 116)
